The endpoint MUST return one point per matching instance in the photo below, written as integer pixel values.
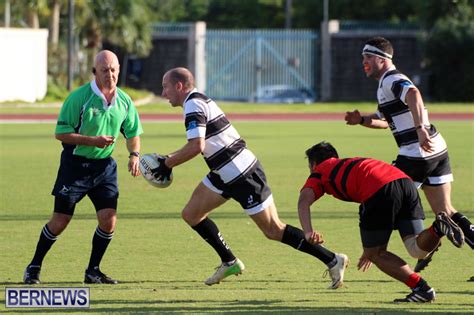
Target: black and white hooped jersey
(391, 94)
(225, 152)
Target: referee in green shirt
(90, 121)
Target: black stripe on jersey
(195, 119)
(410, 136)
(244, 173)
(332, 179)
(436, 157)
(397, 87)
(79, 124)
(69, 148)
(345, 175)
(217, 125)
(122, 130)
(406, 137)
(392, 72)
(432, 131)
(392, 107)
(225, 155)
(315, 175)
(199, 96)
(403, 111)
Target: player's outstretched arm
(353, 118)
(305, 201)
(369, 121)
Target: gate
(240, 63)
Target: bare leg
(58, 222)
(269, 223)
(388, 262)
(202, 202)
(195, 213)
(439, 198)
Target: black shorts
(374, 238)
(396, 201)
(79, 176)
(251, 191)
(431, 172)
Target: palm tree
(123, 23)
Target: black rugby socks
(295, 238)
(100, 241)
(466, 226)
(208, 230)
(45, 242)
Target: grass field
(162, 263)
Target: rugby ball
(147, 163)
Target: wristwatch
(134, 153)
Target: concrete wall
(166, 54)
(23, 64)
(170, 49)
(343, 78)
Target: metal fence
(241, 62)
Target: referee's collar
(99, 93)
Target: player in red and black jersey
(388, 201)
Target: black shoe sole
(456, 237)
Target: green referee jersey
(86, 112)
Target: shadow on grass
(174, 283)
(157, 305)
(187, 306)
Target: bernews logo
(47, 297)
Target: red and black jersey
(353, 179)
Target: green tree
(449, 55)
(27, 13)
(178, 11)
(125, 23)
(430, 11)
(309, 13)
(246, 14)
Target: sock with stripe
(208, 230)
(46, 240)
(466, 226)
(417, 283)
(295, 238)
(100, 241)
(435, 231)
